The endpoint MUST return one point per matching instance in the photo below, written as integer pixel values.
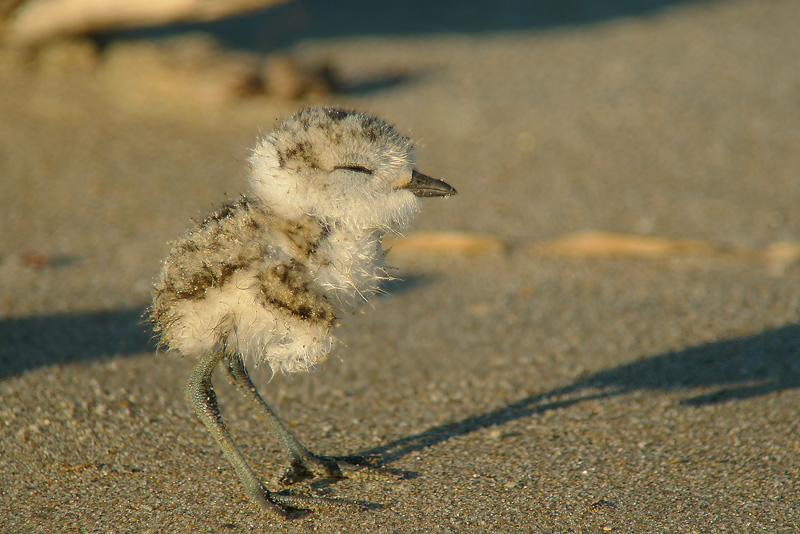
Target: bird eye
(354, 168)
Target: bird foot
(288, 504)
(291, 505)
(312, 465)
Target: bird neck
(348, 265)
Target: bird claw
(335, 467)
(363, 466)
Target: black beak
(425, 186)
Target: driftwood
(33, 21)
(592, 244)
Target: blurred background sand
(526, 383)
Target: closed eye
(354, 168)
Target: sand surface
(519, 390)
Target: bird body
(261, 286)
(264, 278)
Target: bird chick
(264, 278)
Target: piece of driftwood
(34, 21)
(592, 244)
(446, 243)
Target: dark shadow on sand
(732, 370)
(376, 82)
(285, 25)
(396, 286)
(61, 338)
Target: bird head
(343, 168)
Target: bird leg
(303, 464)
(203, 401)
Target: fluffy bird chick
(264, 278)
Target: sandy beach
(648, 382)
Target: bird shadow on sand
(62, 338)
(724, 371)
